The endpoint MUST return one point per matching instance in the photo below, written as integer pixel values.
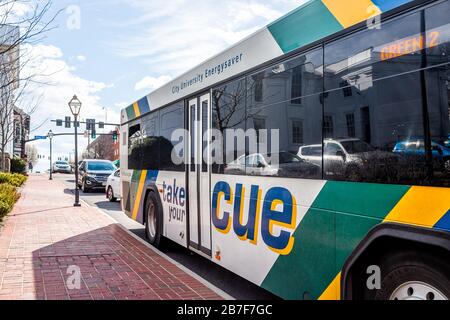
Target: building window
(297, 132)
(296, 85)
(328, 127)
(351, 131)
(259, 124)
(346, 88)
(258, 90)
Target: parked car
(350, 158)
(113, 191)
(62, 167)
(441, 153)
(93, 174)
(289, 165)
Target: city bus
(311, 158)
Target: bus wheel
(153, 218)
(414, 277)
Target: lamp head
(75, 106)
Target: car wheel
(410, 276)
(153, 221)
(85, 188)
(110, 195)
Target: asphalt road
(227, 281)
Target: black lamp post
(75, 107)
(50, 136)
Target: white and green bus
(336, 184)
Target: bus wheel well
(147, 193)
(385, 242)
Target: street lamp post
(50, 136)
(75, 107)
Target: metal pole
(77, 192)
(51, 169)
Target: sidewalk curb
(218, 291)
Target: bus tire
(153, 219)
(413, 276)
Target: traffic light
(94, 134)
(68, 122)
(115, 136)
(90, 124)
(101, 125)
(59, 123)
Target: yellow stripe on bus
(333, 292)
(351, 12)
(421, 206)
(136, 109)
(140, 190)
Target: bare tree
(17, 30)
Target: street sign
(101, 125)
(40, 138)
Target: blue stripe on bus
(386, 5)
(144, 107)
(444, 223)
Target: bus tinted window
(134, 146)
(171, 119)
(286, 118)
(150, 144)
(228, 117)
(384, 113)
(438, 80)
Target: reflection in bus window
(134, 146)
(385, 109)
(438, 89)
(150, 147)
(228, 113)
(291, 104)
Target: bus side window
(134, 147)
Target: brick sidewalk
(45, 234)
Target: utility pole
(50, 136)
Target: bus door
(199, 175)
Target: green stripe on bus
(303, 26)
(130, 113)
(339, 219)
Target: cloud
(55, 84)
(81, 58)
(13, 10)
(151, 83)
(174, 36)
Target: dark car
(94, 174)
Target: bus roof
(313, 21)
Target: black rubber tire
(84, 188)
(404, 267)
(111, 197)
(152, 200)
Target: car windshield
(284, 158)
(356, 146)
(101, 166)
